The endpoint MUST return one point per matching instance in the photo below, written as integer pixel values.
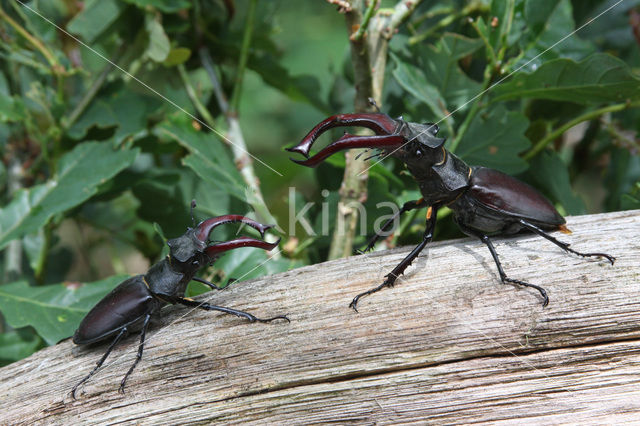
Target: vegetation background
(101, 159)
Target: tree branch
(369, 41)
(353, 190)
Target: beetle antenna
(193, 206)
(377, 154)
(363, 152)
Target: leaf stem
(365, 21)
(50, 57)
(550, 137)
(202, 110)
(485, 41)
(451, 17)
(244, 55)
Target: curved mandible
(215, 249)
(348, 141)
(380, 123)
(205, 227)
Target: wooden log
(449, 343)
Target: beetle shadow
(501, 245)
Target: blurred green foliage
(97, 167)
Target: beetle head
(422, 147)
(193, 248)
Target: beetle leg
(503, 277)
(242, 314)
(408, 206)
(562, 245)
(120, 335)
(138, 355)
(392, 276)
(213, 286)
(205, 282)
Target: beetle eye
(418, 153)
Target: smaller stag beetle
(485, 202)
(131, 304)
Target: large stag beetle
(131, 304)
(485, 202)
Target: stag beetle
(485, 202)
(131, 304)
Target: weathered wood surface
(449, 343)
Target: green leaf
(208, 159)
(551, 175)
(123, 108)
(623, 175)
(413, 80)
(11, 109)
(95, 17)
(167, 6)
(599, 78)
(440, 67)
(631, 200)
(212, 200)
(536, 15)
(436, 79)
(34, 245)
(177, 56)
(3, 169)
(53, 310)
(159, 45)
(304, 88)
(544, 24)
(16, 345)
(165, 196)
(119, 218)
(495, 139)
(79, 174)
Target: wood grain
(449, 343)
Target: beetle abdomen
(126, 304)
(508, 195)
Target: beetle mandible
(131, 304)
(485, 202)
